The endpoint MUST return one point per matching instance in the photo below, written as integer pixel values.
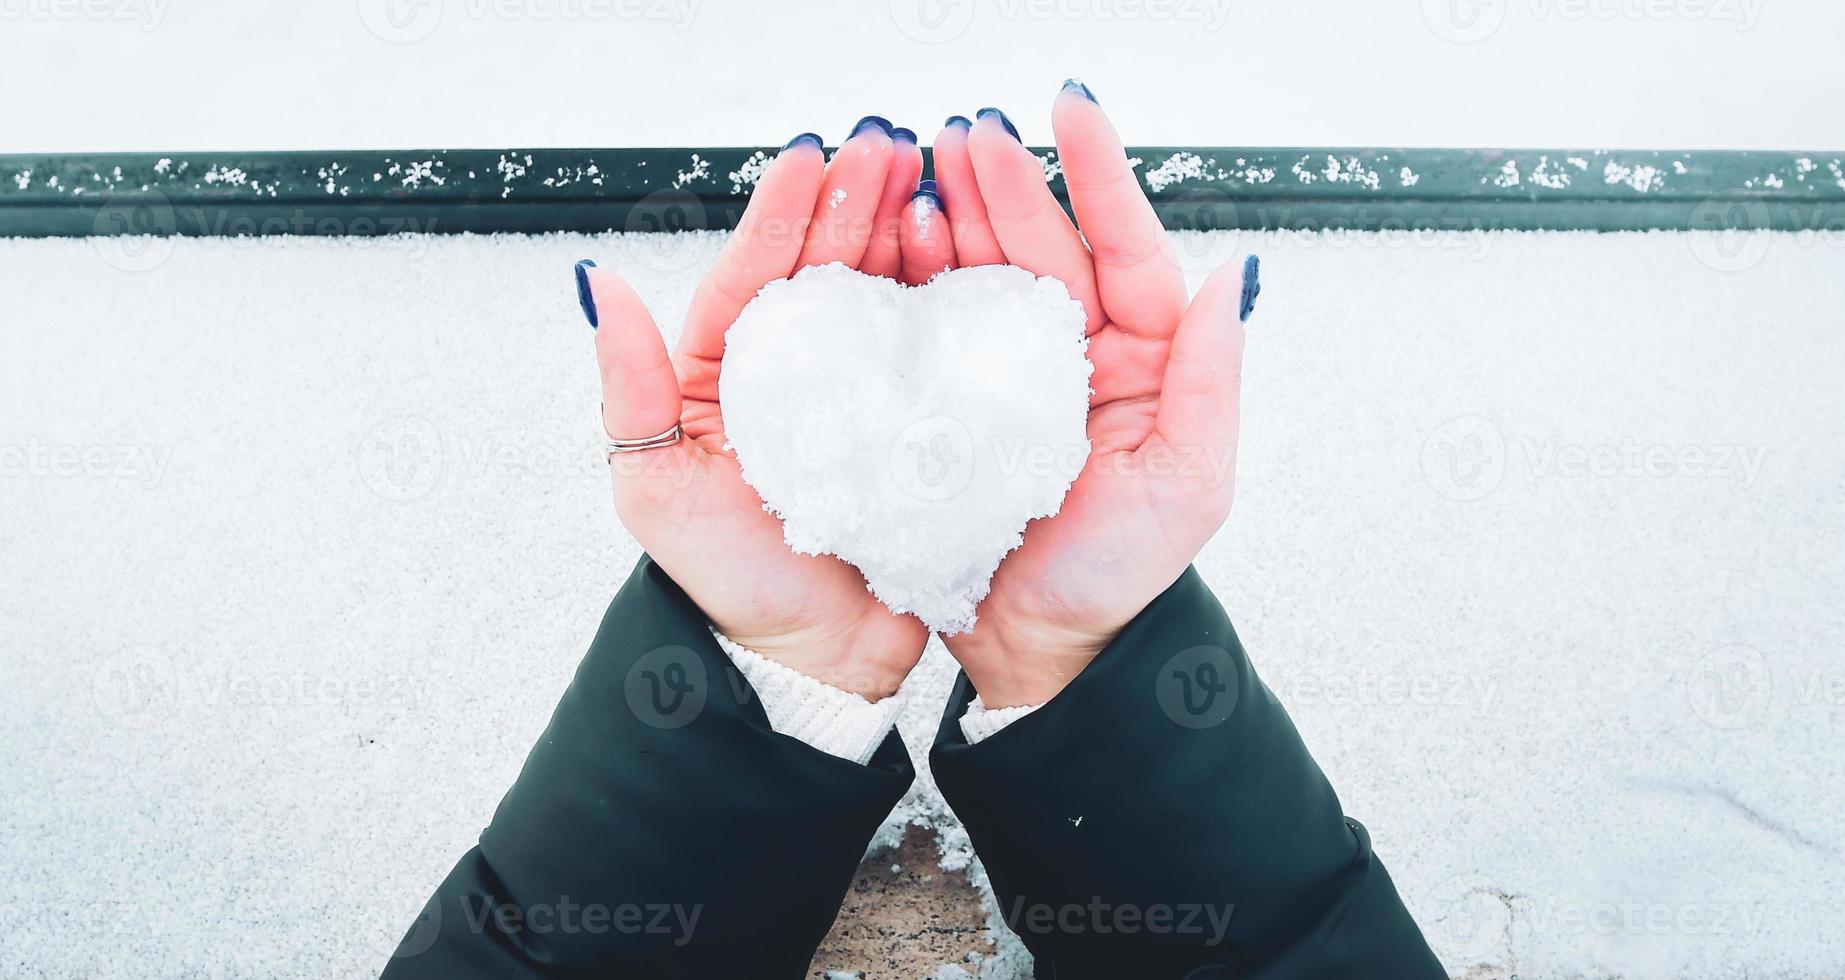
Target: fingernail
(1252, 286)
(584, 296)
(904, 135)
(1072, 85)
(1003, 121)
(869, 122)
(812, 138)
(961, 121)
(926, 191)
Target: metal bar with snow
(691, 189)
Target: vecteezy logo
(932, 459)
(660, 221)
(1730, 687)
(1464, 21)
(1729, 236)
(932, 21)
(134, 232)
(423, 932)
(402, 459)
(667, 688)
(400, 21)
(1468, 918)
(136, 688)
(1198, 687)
(1206, 213)
(1465, 458)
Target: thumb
(640, 392)
(1204, 369)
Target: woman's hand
(1163, 416)
(687, 504)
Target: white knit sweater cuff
(981, 722)
(832, 720)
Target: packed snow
(912, 431)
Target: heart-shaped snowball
(913, 432)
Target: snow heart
(913, 432)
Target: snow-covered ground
(1540, 538)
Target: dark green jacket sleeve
(660, 828)
(1160, 818)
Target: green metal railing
(686, 189)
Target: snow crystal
(925, 216)
(701, 168)
(1641, 178)
(1544, 175)
(1301, 173)
(1352, 172)
(911, 431)
(227, 175)
(749, 173)
(1178, 168)
(835, 199)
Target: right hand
(1163, 408)
(687, 504)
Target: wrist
(869, 660)
(1012, 666)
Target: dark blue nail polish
(869, 122)
(1003, 121)
(584, 296)
(812, 138)
(1072, 85)
(1252, 286)
(926, 191)
(906, 135)
(961, 121)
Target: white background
(237, 74)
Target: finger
(928, 245)
(882, 255)
(959, 193)
(640, 393)
(763, 248)
(1029, 223)
(841, 226)
(1198, 397)
(1137, 274)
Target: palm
(688, 505)
(1114, 544)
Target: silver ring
(661, 441)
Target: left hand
(687, 503)
(1163, 415)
